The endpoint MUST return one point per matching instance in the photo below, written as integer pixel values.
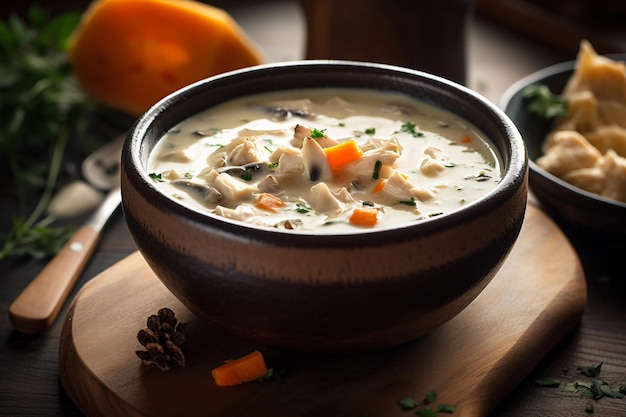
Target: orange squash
(128, 54)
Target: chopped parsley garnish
(370, 130)
(316, 133)
(543, 103)
(246, 176)
(156, 177)
(300, 208)
(377, 166)
(410, 202)
(411, 129)
(481, 177)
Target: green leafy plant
(543, 103)
(40, 109)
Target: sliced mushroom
(283, 110)
(202, 193)
(300, 132)
(289, 224)
(316, 166)
(254, 168)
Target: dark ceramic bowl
(325, 293)
(570, 206)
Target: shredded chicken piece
(323, 200)
(290, 163)
(241, 151)
(232, 189)
(177, 155)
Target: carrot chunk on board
(240, 370)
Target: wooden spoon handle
(35, 309)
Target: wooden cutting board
(471, 362)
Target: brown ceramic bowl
(324, 293)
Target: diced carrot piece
(466, 139)
(269, 202)
(364, 217)
(342, 154)
(380, 185)
(244, 369)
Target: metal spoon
(36, 308)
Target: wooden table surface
(498, 56)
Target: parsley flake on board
(407, 403)
(271, 375)
(594, 389)
(547, 382)
(591, 371)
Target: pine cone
(164, 340)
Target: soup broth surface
(307, 160)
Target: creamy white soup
(325, 161)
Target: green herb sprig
(40, 109)
(543, 103)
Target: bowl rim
(515, 89)
(514, 173)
